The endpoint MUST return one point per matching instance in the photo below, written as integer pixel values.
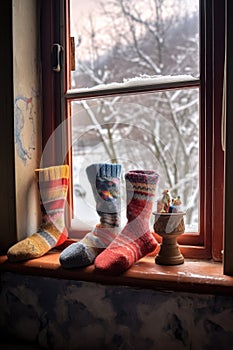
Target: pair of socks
(113, 251)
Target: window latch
(57, 57)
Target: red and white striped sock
(135, 240)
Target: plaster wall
(27, 112)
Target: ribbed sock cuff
(142, 176)
(53, 173)
(103, 170)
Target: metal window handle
(57, 50)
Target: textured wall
(65, 315)
(27, 112)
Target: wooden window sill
(197, 276)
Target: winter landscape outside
(133, 42)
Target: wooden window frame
(228, 222)
(211, 158)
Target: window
(146, 92)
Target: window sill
(197, 276)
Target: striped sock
(136, 240)
(53, 186)
(105, 182)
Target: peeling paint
(24, 127)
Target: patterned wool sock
(105, 181)
(53, 186)
(136, 240)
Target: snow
(142, 80)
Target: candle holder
(169, 226)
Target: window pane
(157, 130)
(117, 40)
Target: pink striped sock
(136, 240)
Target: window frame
(210, 244)
(218, 177)
(228, 144)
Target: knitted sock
(53, 186)
(136, 240)
(105, 180)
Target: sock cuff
(143, 176)
(53, 173)
(103, 170)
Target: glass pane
(117, 40)
(157, 131)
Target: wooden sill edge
(196, 276)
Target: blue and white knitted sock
(105, 182)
